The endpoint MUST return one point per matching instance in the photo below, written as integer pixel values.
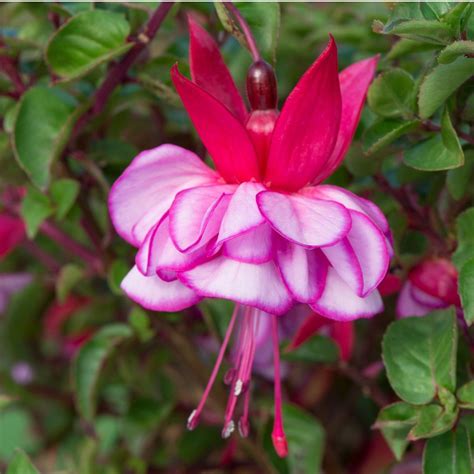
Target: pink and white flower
(260, 229)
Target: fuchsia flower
(432, 284)
(12, 232)
(260, 229)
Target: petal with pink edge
(156, 294)
(343, 259)
(354, 81)
(253, 246)
(196, 215)
(209, 71)
(303, 220)
(254, 285)
(338, 301)
(243, 213)
(224, 137)
(306, 130)
(145, 190)
(425, 299)
(370, 246)
(407, 305)
(303, 271)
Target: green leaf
(405, 46)
(305, 440)
(63, 193)
(465, 395)
(116, 274)
(89, 361)
(420, 355)
(458, 179)
(466, 290)
(42, 127)
(385, 132)
(454, 50)
(441, 82)
(87, 40)
(21, 464)
(392, 94)
(68, 277)
(432, 421)
(140, 323)
(465, 236)
(318, 348)
(263, 19)
(35, 208)
(440, 152)
(428, 31)
(160, 89)
(449, 453)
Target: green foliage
(35, 208)
(316, 349)
(466, 290)
(21, 464)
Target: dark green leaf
(116, 274)
(89, 361)
(420, 355)
(385, 132)
(316, 349)
(87, 40)
(465, 236)
(63, 193)
(465, 395)
(21, 464)
(140, 323)
(69, 276)
(441, 82)
(466, 290)
(42, 127)
(35, 208)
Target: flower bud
(261, 86)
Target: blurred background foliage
(90, 383)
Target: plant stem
(432, 127)
(252, 44)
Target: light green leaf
(116, 274)
(385, 132)
(392, 94)
(140, 322)
(465, 235)
(305, 440)
(21, 464)
(89, 361)
(432, 421)
(466, 290)
(420, 355)
(449, 453)
(42, 127)
(441, 82)
(63, 193)
(454, 50)
(428, 31)
(465, 395)
(68, 278)
(440, 152)
(318, 348)
(87, 40)
(35, 208)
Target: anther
(228, 429)
(238, 387)
(193, 420)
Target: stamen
(193, 419)
(244, 425)
(238, 387)
(229, 428)
(278, 434)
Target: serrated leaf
(466, 290)
(35, 208)
(68, 277)
(318, 348)
(465, 236)
(63, 193)
(454, 50)
(392, 94)
(442, 82)
(43, 123)
(420, 355)
(465, 395)
(432, 421)
(87, 40)
(89, 361)
(429, 31)
(440, 152)
(21, 464)
(449, 453)
(385, 132)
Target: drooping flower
(12, 232)
(431, 285)
(260, 229)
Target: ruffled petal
(223, 135)
(209, 71)
(196, 215)
(306, 130)
(305, 221)
(343, 259)
(243, 213)
(407, 305)
(253, 246)
(145, 190)
(254, 285)
(303, 271)
(341, 303)
(158, 295)
(354, 81)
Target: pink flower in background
(431, 285)
(12, 232)
(261, 229)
